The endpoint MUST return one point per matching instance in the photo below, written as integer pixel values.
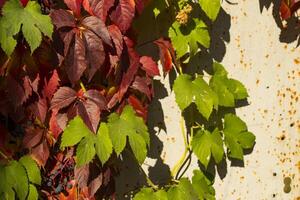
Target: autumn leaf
(124, 14)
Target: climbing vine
(76, 82)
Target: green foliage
(31, 20)
(211, 8)
(205, 144)
(17, 178)
(197, 91)
(185, 38)
(199, 189)
(128, 124)
(111, 135)
(237, 137)
(228, 90)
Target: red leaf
(138, 107)
(149, 66)
(82, 175)
(27, 87)
(15, 92)
(140, 5)
(90, 113)
(96, 97)
(285, 11)
(41, 153)
(32, 137)
(166, 52)
(63, 98)
(98, 8)
(129, 75)
(117, 38)
(141, 85)
(62, 18)
(53, 124)
(24, 2)
(68, 39)
(95, 52)
(39, 109)
(51, 86)
(75, 61)
(123, 15)
(98, 27)
(74, 5)
(95, 185)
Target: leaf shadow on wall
(290, 31)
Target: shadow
(290, 29)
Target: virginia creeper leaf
(128, 124)
(40, 153)
(62, 18)
(104, 145)
(98, 8)
(32, 21)
(74, 132)
(33, 172)
(237, 136)
(203, 186)
(74, 5)
(184, 190)
(85, 151)
(123, 15)
(33, 193)
(205, 144)
(63, 97)
(188, 91)
(211, 8)
(149, 66)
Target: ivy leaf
(237, 89)
(32, 21)
(237, 136)
(104, 145)
(128, 124)
(197, 91)
(184, 190)
(74, 132)
(32, 169)
(205, 143)
(85, 151)
(211, 8)
(33, 193)
(203, 186)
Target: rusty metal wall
(271, 71)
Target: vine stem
(186, 150)
(4, 156)
(82, 87)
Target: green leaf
(184, 190)
(219, 70)
(128, 124)
(202, 186)
(149, 194)
(75, 131)
(237, 89)
(205, 144)
(186, 38)
(33, 24)
(85, 151)
(211, 8)
(184, 91)
(103, 145)
(17, 177)
(218, 84)
(144, 194)
(33, 194)
(32, 169)
(187, 91)
(237, 137)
